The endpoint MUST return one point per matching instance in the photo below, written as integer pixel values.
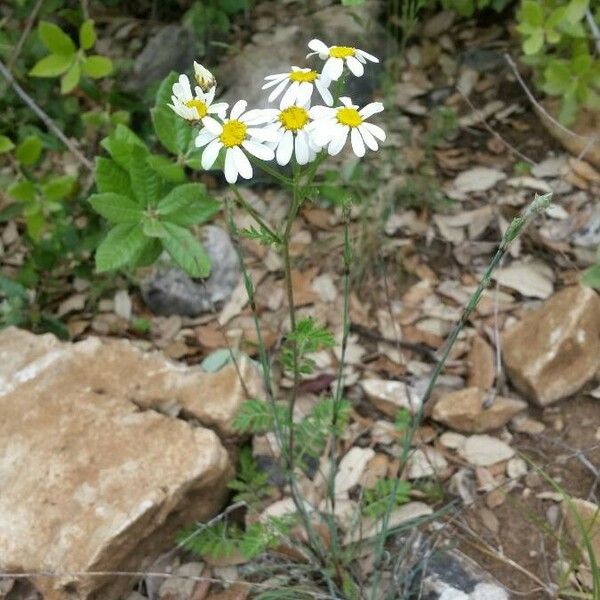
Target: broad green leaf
(591, 277)
(6, 144)
(23, 191)
(55, 39)
(120, 143)
(110, 177)
(165, 90)
(145, 181)
(187, 204)
(532, 13)
(58, 188)
(534, 43)
(557, 77)
(52, 65)
(166, 168)
(116, 208)
(568, 107)
(70, 79)
(186, 251)
(34, 222)
(97, 66)
(120, 247)
(581, 64)
(29, 150)
(576, 10)
(154, 228)
(149, 253)
(173, 132)
(87, 35)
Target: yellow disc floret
(200, 107)
(293, 118)
(233, 134)
(302, 76)
(341, 51)
(349, 116)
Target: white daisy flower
(204, 78)
(301, 84)
(336, 56)
(234, 134)
(331, 127)
(291, 135)
(198, 107)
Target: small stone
(462, 484)
(351, 468)
(488, 591)
(452, 440)
(525, 424)
(482, 370)
(464, 410)
(389, 396)
(122, 302)
(181, 585)
(485, 450)
(425, 463)
(555, 349)
(533, 479)
(580, 514)
(516, 467)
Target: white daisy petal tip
(204, 78)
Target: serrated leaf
(6, 144)
(110, 177)
(29, 150)
(55, 39)
(154, 228)
(186, 251)
(145, 181)
(58, 188)
(116, 208)
(52, 65)
(120, 247)
(120, 144)
(70, 79)
(23, 191)
(174, 133)
(187, 204)
(166, 168)
(97, 66)
(87, 34)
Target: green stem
(254, 214)
(272, 172)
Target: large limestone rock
(554, 350)
(91, 477)
(464, 410)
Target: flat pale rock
(425, 462)
(555, 349)
(117, 367)
(463, 410)
(485, 450)
(389, 396)
(579, 514)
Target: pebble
(485, 450)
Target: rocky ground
(143, 398)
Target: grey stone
(170, 291)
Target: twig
(44, 117)
(26, 30)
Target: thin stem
(270, 171)
(539, 204)
(254, 214)
(44, 117)
(30, 20)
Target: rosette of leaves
(66, 60)
(150, 206)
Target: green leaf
(576, 10)
(110, 177)
(532, 13)
(187, 204)
(120, 247)
(186, 251)
(23, 191)
(591, 277)
(557, 77)
(173, 132)
(55, 39)
(254, 416)
(97, 66)
(154, 228)
(534, 43)
(6, 144)
(166, 168)
(58, 188)
(120, 144)
(70, 79)
(145, 181)
(149, 253)
(29, 150)
(116, 208)
(165, 90)
(34, 222)
(52, 65)
(581, 64)
(87, 34)
(569, 104)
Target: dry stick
(44, 117)
(26, 30)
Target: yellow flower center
(349, 116)
(293, 118)
(341, 51)
(200, 107)
(233, 134)
(302, 76)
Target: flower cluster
(294, 129)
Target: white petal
(304, 93)
(210, 154)
(370, 109)
(241, 162)
(182, 88)
(325, 132)
(333, 68)
(318, 46)
(276, 79)
(238, 109)
(231, 172)
(346, 101)
(285, 148)
(301, 148)
(257, 116)
(278, 90)
(375, 130)
(290, 95)
(355, 66)
(220, 109)
(368, 138)
(212, 125)
(263, 134)
(211, 95)
(321, 112)
(204, 137)
(337, 143)
(358, 146)
(277, 76)
(259, 150)
(367, 55)
(325, 93)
